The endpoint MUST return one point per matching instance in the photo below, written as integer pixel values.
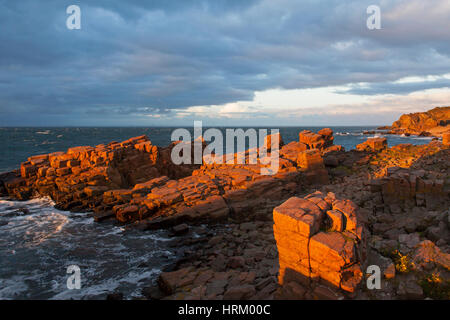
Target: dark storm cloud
(398, 88)
(149, 57)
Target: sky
(227, 63)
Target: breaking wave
(39, 242)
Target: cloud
(164, 58)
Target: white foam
(38, 244)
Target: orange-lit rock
(321, 140)
(373, 144)
(310, 159)
(117, 176)
(317, 243)
(312, 162)
(446, 139)
(268, 140)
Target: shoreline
(237, 196)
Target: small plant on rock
(402, 262)
(435, 287)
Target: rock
(389, 272)
(219, 263)
(337, 220)
(152, 293)
(326, 293)
(423, 121)
(115, 296)
(216, 287)
(247, 226)
(307, 252)
(215, 240)
(236, 262)
(101, 216)
(321, 140)
(292, 291)
(298, 216)
(239, 292)
(409, 240)
(410, 290)
(331, 161)
(427, 254)
(169, 281)
(373, 145)
(312, 161)
(446, 139)
(180, 229)
(268, 140)
(127, 213)
(292, 149)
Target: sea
(38, 243)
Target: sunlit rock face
(373, 144)
(320, 239)
(134, 180)
(78, 178)
(446, 139)
(320, 140)
(419, 122)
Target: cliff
(435, 122)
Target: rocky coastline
(432, 123)
(308, 232)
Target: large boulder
(320, 237)
(321, 140)
(373, 145)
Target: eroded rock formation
(135, 180)
(321, 238)
(432, 122)
(373, 144)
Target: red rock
(292, 149)
(373, 144)
(310, 159)
(63, 171)
(423, 121)
(236, 262)
(27, 170)
(325, 293)
(446, 139)
(332, 249)
(243, 292)
(326, 132)
(311, 139)
(170, 281)
(321, 140)
(350, 211)
(126, 213)
(311, 254)
(95, 190)
(337, 220)
(268, 141)
(42, 171)
(180, 229)
(299, 216)
(149, 185)
(43, 157)
(214, 208)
